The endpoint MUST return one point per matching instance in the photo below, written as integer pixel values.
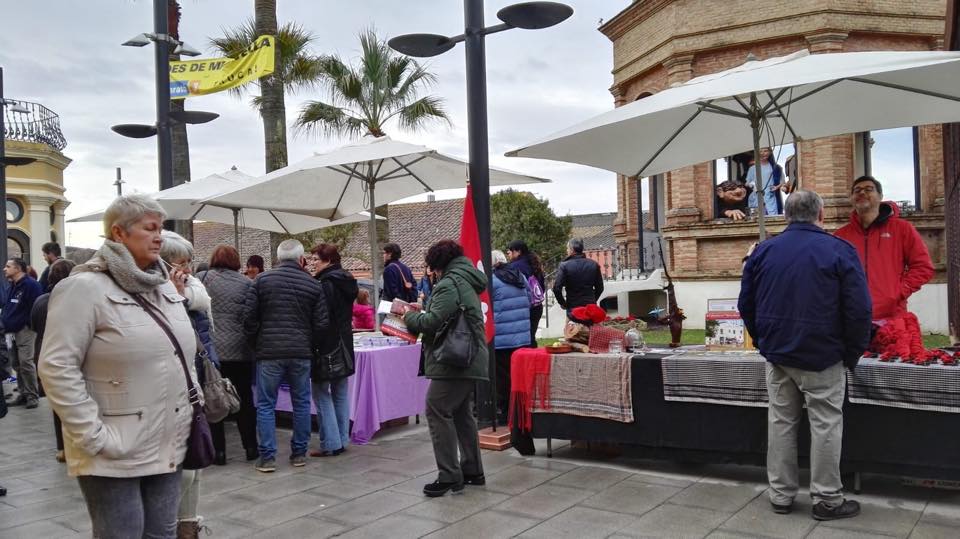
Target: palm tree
(364, 98)
(294, 69)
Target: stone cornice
(799, 25)
(41, 152)
(632, 15)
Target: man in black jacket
(580, 276)
(286, 314)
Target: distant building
(597, 232)
(661, 43)
(35, 194)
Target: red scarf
(529, 378)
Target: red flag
(470, 240)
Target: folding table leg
(418, 419)
(549, 447)
(856, 483)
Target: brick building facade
(661, 43)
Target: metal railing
(40, 125)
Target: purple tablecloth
(385, 386)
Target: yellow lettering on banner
(200, 77)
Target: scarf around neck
(119, 262)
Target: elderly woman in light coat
(112, 375)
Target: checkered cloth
(590, 385)
(934, 388)
(732, 378)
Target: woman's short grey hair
(175, 247)
(575, 245)
(803, 207)
(498, 257)
(289, 250)
(126, 210)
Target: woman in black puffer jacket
(330, 391)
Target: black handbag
(200, 451)
(454, 344)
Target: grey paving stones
(675, 521)
(581, 523)
(632, 497)
(717, 496)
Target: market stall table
(385, 386)
(712, 407)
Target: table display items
(899, 339)
(675, 317)
(724, 329)
(393, 323)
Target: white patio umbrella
(179, 203)
(345, 181)
(788, 98)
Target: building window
(735, 167)
(14, 211)
(14, 249)
(892, 156)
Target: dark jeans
(132, 507)
(452, 427)
(536, 313)
(241, 376)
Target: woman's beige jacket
(112, 376)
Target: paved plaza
(375, 491)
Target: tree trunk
(180, 146)
(272, 109)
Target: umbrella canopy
(179, 203)
(357, 177)
(339, 183)
(788, 98)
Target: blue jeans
(333, 413)
(270, 372)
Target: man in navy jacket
(15, 318)
(805, 302)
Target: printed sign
(200, 77)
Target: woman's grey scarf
(119, 262)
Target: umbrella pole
(372, 235)
(236, 229)
(758, 168)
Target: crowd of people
(112, 336)
(737, 198)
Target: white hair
(126, 210)
(289, 250)
(803, 207)
(498, 257)
(175, 247)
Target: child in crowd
(362, 311)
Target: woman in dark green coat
(450, 396)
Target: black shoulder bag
(338, 362)
(200, 451)
(454, 343)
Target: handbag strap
(193, 394)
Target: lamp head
(139, 40)
(535, 15)
(135, 130)
(186, 50)
(193, 116)
(421, 45)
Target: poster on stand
(724, 327)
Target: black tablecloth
(875, 438)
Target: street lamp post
(527, 15)
(4, 161)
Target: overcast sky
(67, 56)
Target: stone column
(59, 207)
(38, 216)
(827, 164)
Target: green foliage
(364, 97)
(297, 70)
(520, 215)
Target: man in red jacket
(893, 254)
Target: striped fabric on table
(731, 378)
